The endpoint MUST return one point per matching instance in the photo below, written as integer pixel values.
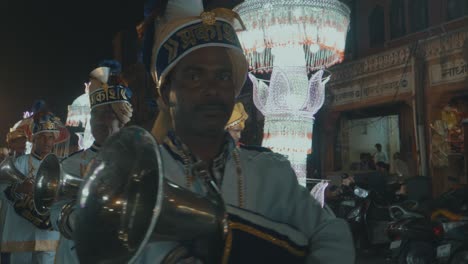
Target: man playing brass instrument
(110, 111)
(25, 235)
(200, 68)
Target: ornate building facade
(408, 60)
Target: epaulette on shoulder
(255, 148)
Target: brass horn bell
(9, 173)
(53, 184)
(126, 203)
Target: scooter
(452, 215)
(368, 219)
(453, 248)
(413, 236)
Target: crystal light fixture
(316, 27)
(290, 39)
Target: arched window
(456, 9)
(397, 19)
(418, 11)
(377, 26)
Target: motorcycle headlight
(362, 193)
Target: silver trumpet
(9, 173)
(53, 184)
(126, 203)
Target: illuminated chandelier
(291, 39)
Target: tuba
(53, 184)
(126, 203)
(9, 173)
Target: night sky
(48, 48)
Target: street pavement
(378, 256)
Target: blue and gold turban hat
(184, 27)
(107, 87)
(45, 121)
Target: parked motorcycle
(433, 233)
(452, 215)
(368, 219)
(453, 248)
(413, 236)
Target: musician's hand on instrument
(66, 220)
(26, 187)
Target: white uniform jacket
(18, 234)
(76, 164)
(268, 186)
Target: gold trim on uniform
(227, 247)
(198, 34)
(268, 237)
(28, 246)
(110, 95)
(208, 18)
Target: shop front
(447, 106)
(371, 101)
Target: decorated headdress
(23, 128)
(238, 116)
(15, 133)
(183, 27)
(107, 87)
(37, 121)
(45, 122)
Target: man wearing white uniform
(27, 236)
(200, 68)
(108, 115)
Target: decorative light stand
(291, 39)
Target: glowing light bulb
(314, 48)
